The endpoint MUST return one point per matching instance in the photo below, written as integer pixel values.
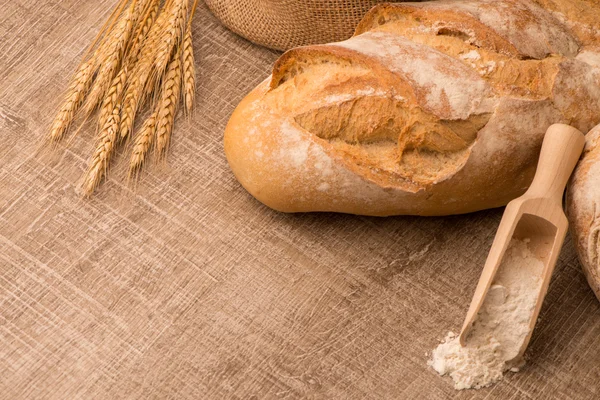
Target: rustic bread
(583, 209)
(431, 108)
(582, 17)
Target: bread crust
(428, 110)
(582, 17)
(583, 209)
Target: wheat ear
(137, 85)
(111, 59)
(168, 103)
(104, 149)
(143, 142)
(113, 96)
(83, 78)
(73, 100)
(146, 21)
(170, 39)
(189, 72)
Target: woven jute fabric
(185, 287)
(282, 24)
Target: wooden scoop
(537, 215)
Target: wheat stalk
(189, 72)
(98, 167)
(142, 144)
(167, 106)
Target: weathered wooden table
(186, 287)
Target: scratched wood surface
(186, 287)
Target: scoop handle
(561, 150)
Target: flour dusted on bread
(432, 108)
(582, 17)
(501, 327)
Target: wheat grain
(142, 144)
(189, 72)
(133, 95)
(168, 103)
(98, 167)
(140, 8)
(131, 102)
(113, 96)
(73, 100)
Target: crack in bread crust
(380, 133)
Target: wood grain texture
(188, 288)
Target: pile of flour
(501, 325)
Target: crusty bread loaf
(431, 108)
(582, 17)
(583, 209)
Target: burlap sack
(282, 24)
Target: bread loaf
(432, 108)
(583, 209)
(582, 17)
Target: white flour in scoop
(501, 325)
